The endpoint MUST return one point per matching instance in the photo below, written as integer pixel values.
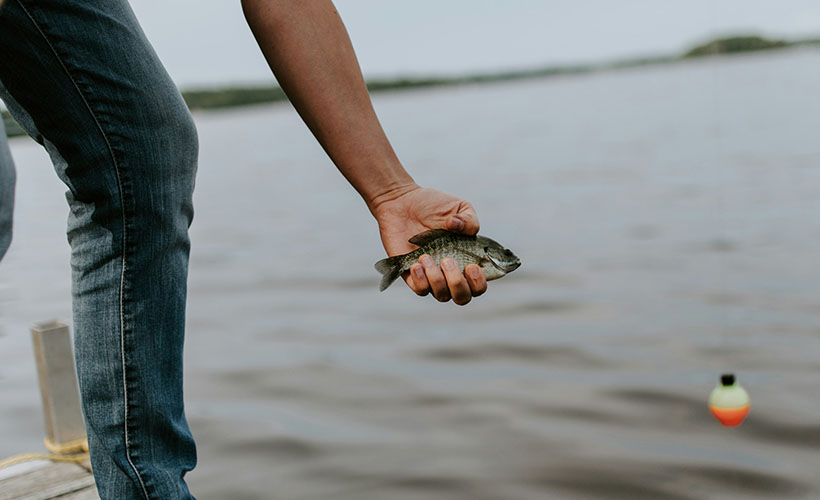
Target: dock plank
(62, 481)
(86, 494)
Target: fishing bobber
(729, 402)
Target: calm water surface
(668, 219)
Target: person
(81, 78)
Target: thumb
(465, 221)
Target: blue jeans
(84, 82)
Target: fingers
(446, 281)
(456, 283)
(418, 280)
(476, 279)
(436, 279)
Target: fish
(493, 259)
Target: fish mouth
(504, 266)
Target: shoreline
(239, 96)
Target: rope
(72, 452)
(67, 448)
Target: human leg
(85, 83)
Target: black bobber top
(727, 379)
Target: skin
(309, 51)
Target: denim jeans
(84, 82)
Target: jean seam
(124, 240)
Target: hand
(418, 209)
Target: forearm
(309, 51)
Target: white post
(58, 383)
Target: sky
(206, 43)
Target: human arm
(309, 51)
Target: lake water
(668, 220)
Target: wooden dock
(44, 480)
(64, 474)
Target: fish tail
(391, 269)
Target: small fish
(493, 259)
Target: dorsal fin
(426, 237)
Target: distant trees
(231, 97)
(736, 44)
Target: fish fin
(478, 258)
(426, 237)
(391, 269)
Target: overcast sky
(207, 43)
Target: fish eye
(487, 249)
(507, 252)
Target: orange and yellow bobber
(729, 402)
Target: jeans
(84, 82)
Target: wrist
(389, 193)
